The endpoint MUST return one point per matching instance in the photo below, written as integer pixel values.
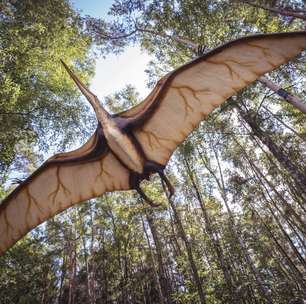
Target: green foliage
(39, 104)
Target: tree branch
(294, 100)
(300, 14)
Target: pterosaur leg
(145, 197)
(152, 166)
(149, 168)
(165, 179)
(135, 180)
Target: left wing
(61, 182)
(184, 97)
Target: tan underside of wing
(54, 189)
(197, 88)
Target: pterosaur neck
(102, 115)
(92, 98)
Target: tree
(39, 104)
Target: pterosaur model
(128, 147)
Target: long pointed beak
(86, 92)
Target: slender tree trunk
(233, 227)
(72, 258)
(164, 282)
(272, 206)
(262, 176)
(104, 264)
(158, 279)
(83, 237)
(194, 270)
(299, 275)
(87, 270)
(287, 237)
(280, 247)
(63, 276)
(301, 136)
(293, 187)
(121, 258)
(92, 265)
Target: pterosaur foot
(153, 167)
(200, 50)
(150, 168)
(135, 180)
(145, 197)
(165, 179)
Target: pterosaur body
(116, 134)
(128, 147)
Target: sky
(115, 71)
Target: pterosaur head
(92, 98)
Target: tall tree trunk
(164, 282)
(158, 279)
(272, 206)
(298, 274)
(92, 265)
(62, 279)
(293, 187)
(290, 211)
(233, 227)
(287, 237)
(72, 258)
(183, 236)
(280, 248)
(300, 135)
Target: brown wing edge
(151, 102)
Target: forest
(234, 232)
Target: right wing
(57, 185)
(184, 97)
